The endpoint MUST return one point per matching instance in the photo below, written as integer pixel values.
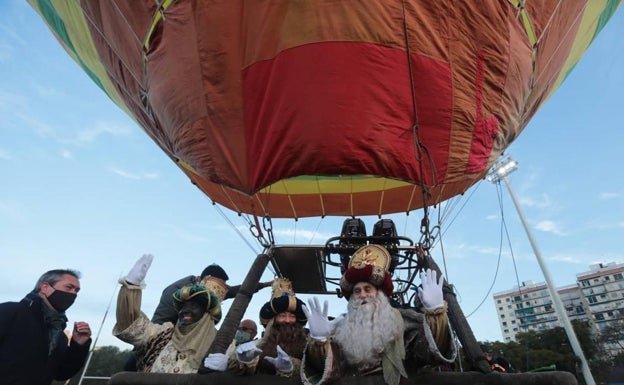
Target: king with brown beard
(369, 339)
(280, 350)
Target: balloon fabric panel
(313, 108)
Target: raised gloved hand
(320, 326)
(282, 362)
(246, 352)
(430, 293)
(139, 270)
(216, 361)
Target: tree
(535, 350)
(613, 335)
(105, 361)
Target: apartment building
(530, 307)
(597, 296)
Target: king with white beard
(369, 338)
(369, 326)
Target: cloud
(303, 236)
(288, 235)
(16, 107)
(549, 227)
(463, 251)
(566, 258)
(608, 225)
(67, 154)
(541, 203)
(10, 37)
(41, 128)
(141, 176)
(190, 237)
(12, 101)
(90, 134)
(608, 195)
(47, 92)
(9, 30)
(6, 52)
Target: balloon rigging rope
(235, 228)
(503, 228)
(419, 147)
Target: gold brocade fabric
(128, 305)
(178, 352)
(440, 330)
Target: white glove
(430, 293)
(246, 352)
(282, 362)
(320, 326)
(216, 361)
(139, 270)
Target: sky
(83, 187)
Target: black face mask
(61, 300)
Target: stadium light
(499, 172)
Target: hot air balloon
(291, 109)
(295, 109)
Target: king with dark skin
(190, 312)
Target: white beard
(367, 329)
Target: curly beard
(290, 337)
(369, 326)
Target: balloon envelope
(323, 107)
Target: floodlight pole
(499, 172)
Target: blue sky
(83, 187)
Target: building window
(500, 308)
(617, 277)
(499, 301)
(548, 307)
(505, 323)
(592, 299)
(599, 317)
(585, 283)
(607, 278)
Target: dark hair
(216, 271)
(53, 276)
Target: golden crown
(216, 285)
(374, 255)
